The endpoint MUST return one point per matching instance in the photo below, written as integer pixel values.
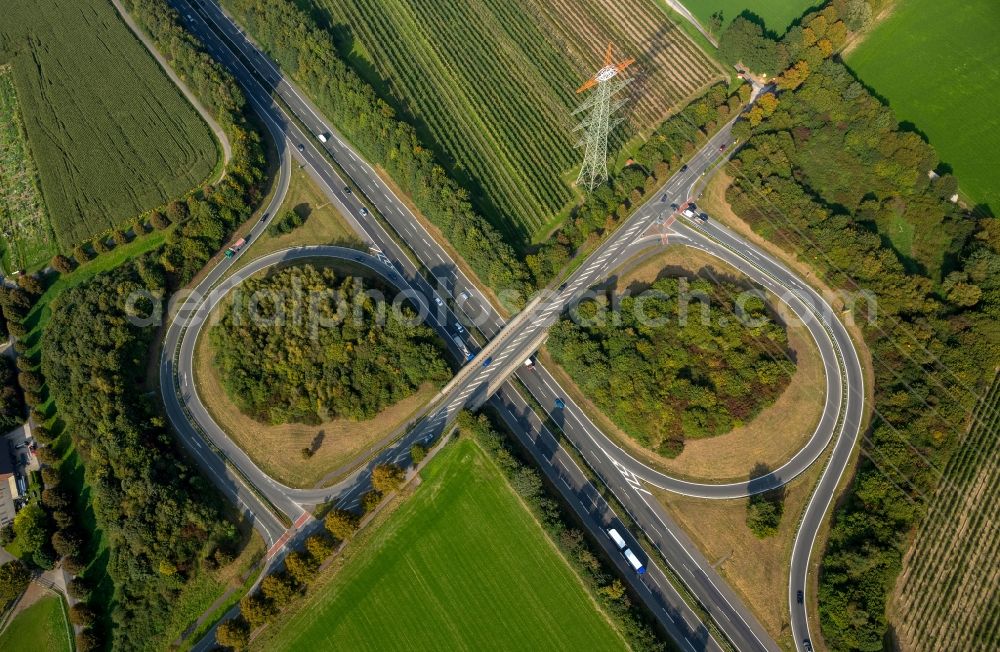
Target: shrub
(73, 564)
(30, 284)
(78, 588)
(320, 546)
(278, 588)
(119, 237)
(370, 500)
(417, 453)
(30, 380)
(14, 578)
(82, 614)
(87, 641)
(159, 220)
(234, 633)
(387, 477)
(66, 543)
(341, 523)
(62, 264)
(101, 245)
(301, 567)
(82, 254)
(256, 609)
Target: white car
(438, 300)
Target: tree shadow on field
(763, 486)
(303, 209)
(317, 441)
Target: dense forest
(332, 362)
(159, 515)
(826, 171)
(11, 404)
(664, 380)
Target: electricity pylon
(598, 123)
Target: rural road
(510, 343)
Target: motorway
(511, 342)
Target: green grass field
(936, 65)
(44, 626)
(778, 15)
(27, 238)
(110, 134)
(461, 565)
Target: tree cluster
(304, 51)
(159, 514)
(830, 175)
(608, 591)
(11, 402)
(14, 578)
(277, 590)
(662, 381)
(303, 359)
(286, 223)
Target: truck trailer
(634, 562)
(617, 538)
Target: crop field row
(27, 239)
(489, 88)
(948, 596)
(109, 132)
(669, 66)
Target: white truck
(461, 347)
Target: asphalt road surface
(509, 343)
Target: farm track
(948, 596)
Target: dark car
(663, 199)
(722, 147)
(807, 644)
(684, 168)
(560, 404)
(703, 217)
(302, 147)
(674, 206)
(799, 597)
(347, 190)
(488, 361)
(266, 215)
(562, 287)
